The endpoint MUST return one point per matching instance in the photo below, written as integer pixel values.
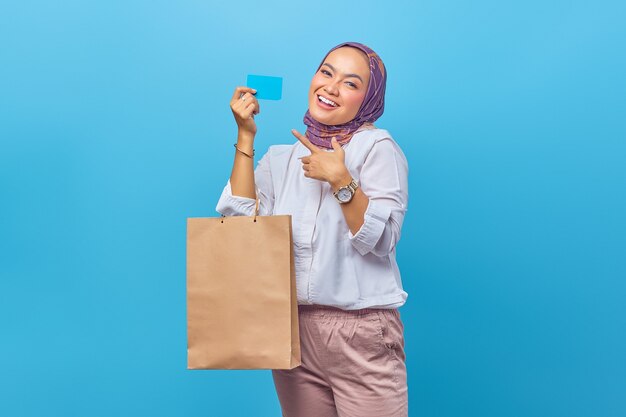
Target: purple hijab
(371, 109)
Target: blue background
(115, 127)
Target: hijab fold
(371, 109)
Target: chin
(320, 118)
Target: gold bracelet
(248, 155)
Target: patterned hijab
(371, 109)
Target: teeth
(325, 100)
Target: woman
(345, 185)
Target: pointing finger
(305, 141)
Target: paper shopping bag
(242, 311)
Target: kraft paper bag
(242, 311)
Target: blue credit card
(267, 88)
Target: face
(342, 79)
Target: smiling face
(342, 79)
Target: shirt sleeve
(232, 205)
(384, 180)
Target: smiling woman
(351, 79)
(345, 185)
(339, 86)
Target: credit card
(267, 88)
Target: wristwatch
(344, 194)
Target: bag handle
(256, 210)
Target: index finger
(305, 141)
(240, 90)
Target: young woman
(344, 182)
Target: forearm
(242, 175)
(354, 211)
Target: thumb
(336, 146)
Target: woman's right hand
(244, 107)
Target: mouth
(326, 102)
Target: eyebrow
(347, 75)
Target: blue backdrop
(115, 127)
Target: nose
(331, 88)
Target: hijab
(371, 109)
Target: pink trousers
(353, 365)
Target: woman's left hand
(322, 165)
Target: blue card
(267, 88)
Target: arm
(242, 175)
(376, 212)
(244, 106)
(231, 204)
(240, 194)
(384, 179)
(331, 167)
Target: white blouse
(333, 266)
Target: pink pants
(353, 365)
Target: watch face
(344, 194)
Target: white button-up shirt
(333, 266)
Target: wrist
(341, 180)
(245, 138)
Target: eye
(325, 72)
(353, 85)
